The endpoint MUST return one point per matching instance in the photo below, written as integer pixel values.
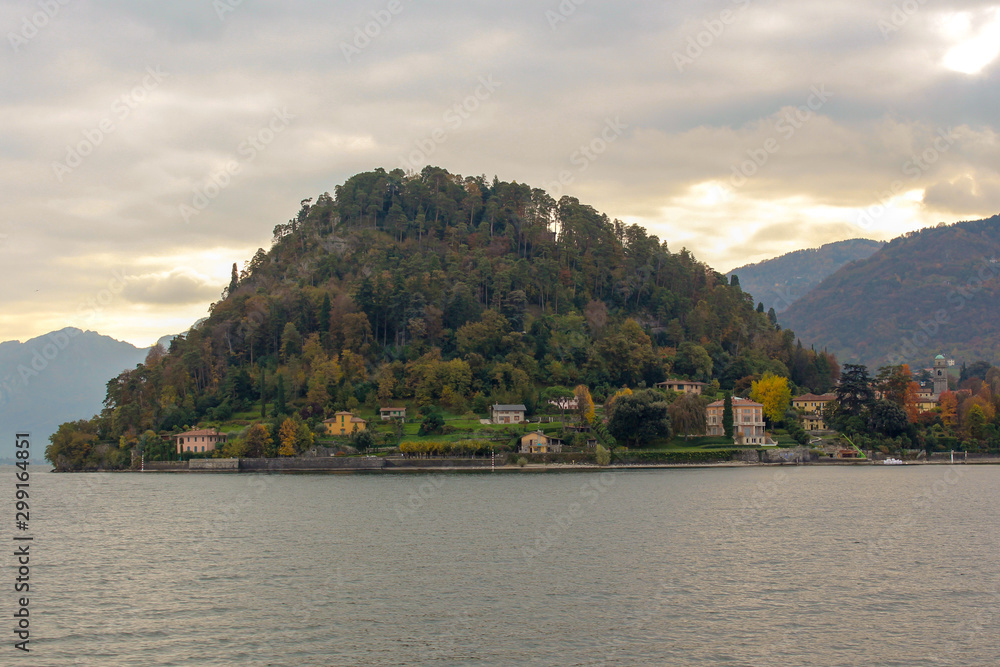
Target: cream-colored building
(683, 386)
(748, 419)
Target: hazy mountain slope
(929, 292)
(58, 377)
(780, 282)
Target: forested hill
(778, 283)
(438, 289)
(928, 292)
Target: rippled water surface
(751, 566)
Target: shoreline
(474, 466)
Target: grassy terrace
(465, 426)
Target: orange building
(345, 423)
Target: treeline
(459, 292)
(884, 411)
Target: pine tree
(727, 415)
(234, 282)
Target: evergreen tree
(727, 415)
(234, 281)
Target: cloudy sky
(146, 145)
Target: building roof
(679, 381)
(392, 409)
(357, 419)
(815, 397)
(204, 431)
(940, 356)
(509, 408)
(737, 402)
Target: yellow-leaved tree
(774, 394)
(584, 403)
(288, 436)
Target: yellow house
(344, 423)
(539, 443)
(812, 403)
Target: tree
(280, 407)
(687, 415)
(727, 415)
(584, 403)
(291, 341)
(433, 423)
(854, 393)
(234, 281)
(975, 422)
(694, 361)
(948, 404)
(774, 394)
(362, 440)
(258, 441)
(888, 418)
(893, 382)
(288, 436)
(639, 417)
(602, 456)
(561, 396)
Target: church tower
(940, 375)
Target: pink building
(200, 441)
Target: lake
(807, 565)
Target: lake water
(751, 566)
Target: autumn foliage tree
(774, 394)
(287, 436)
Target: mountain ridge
(780, 281)
(927, 292)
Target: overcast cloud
(740, 129)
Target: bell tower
(940, 375)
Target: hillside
(434, 289)
(778, 283)
(929, 292)
(57, 377)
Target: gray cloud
(561, 81)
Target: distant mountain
(780, 282)
(61, 376)
(935, 291)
